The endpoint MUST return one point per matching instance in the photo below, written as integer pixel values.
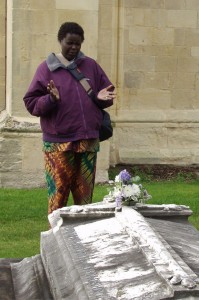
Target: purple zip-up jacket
(75, 116)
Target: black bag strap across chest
(77, 74)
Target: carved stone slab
(182, 238)
(120, 250)
(29, 279)
(6, 284)
(93, 252)
(164, 211)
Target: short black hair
(70, 27)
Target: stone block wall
(21, 160)
(29, 42)
(150, 51)
(2, 54)
(157, 111)
(33, 40)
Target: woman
(70, 120)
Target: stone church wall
(156, 115)
(150, 51)
(2, 54)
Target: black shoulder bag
(106, 129)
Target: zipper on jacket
(81, 106)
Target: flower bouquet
(127, 189)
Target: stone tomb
(93, 252)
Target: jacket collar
(53, 62)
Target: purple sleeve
(102, 82)
(37, 100)
(97, 79)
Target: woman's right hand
(107, 93)
(53, 91)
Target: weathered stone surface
(21, 155)
(184, 241)
(149, 49)
(2, 54)
(6, 284)
(29, 280)
(110, 257)
(99, 244)
(114, 255)
(168, 211)
(21, 145)
(58, 275)
(182, 18)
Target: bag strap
(75, 72)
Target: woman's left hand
(106, 94)
(53, 91)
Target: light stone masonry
(194, 51)
(139, 63)
(77, 5)
(152, 98)
(150, 51)
(191, 4)
(177, 4)
(182, 18)
(34, 4)
(2, 54)
(191, 37)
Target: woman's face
(71, 45)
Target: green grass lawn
(181, 193)
(23, 213)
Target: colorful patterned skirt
(67, 172)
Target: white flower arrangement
(126, 188)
